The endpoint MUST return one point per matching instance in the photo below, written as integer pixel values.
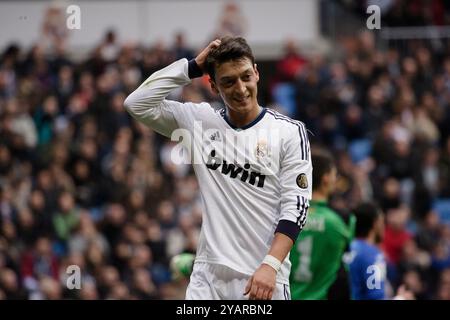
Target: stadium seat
(442, 207)
(360, 149)
(284, 96)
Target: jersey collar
(251, 124)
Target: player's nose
(240, 87)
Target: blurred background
(81, 183)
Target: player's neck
(371, 238)
(240, 120)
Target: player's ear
(256, 72)
(213, 86)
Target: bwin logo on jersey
(233, 170)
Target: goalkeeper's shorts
(217, 282)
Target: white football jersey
(249, 178)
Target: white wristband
(273, 262)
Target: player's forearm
(281, 245)
(157, 87)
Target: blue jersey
(367, 270)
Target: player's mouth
(242, 100)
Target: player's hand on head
(201, 57)
(261, 285)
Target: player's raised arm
(147, 103)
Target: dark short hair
(322, 163)
(230, 49)
(366, 214)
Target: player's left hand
(261, 285)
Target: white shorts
(217, 282)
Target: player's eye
(228, 83)
(246, 77)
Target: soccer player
(317, 254)
(367, 264)
(253, 166)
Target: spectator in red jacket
(37, 263)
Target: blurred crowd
(81, 183)
(385, 115)
(400, 13)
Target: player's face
(236, 82)
(332, 178)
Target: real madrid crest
(302, 181)
(261, 149)
(262, 153)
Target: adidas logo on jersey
(215, 136)
(233, 170)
